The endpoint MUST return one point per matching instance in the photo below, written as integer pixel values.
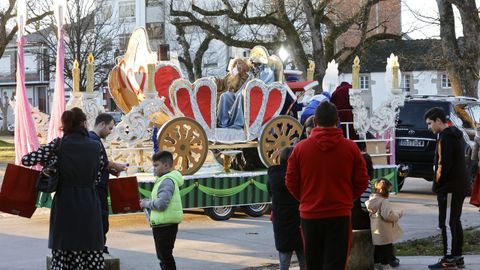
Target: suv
(415, 144)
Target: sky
(421, 28)
(417, 18)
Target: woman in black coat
(285, 215)
(76, 234)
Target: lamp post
(284, 55)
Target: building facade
(37, 76)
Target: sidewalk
(421, 263)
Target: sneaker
(443, 263)
(395, 262)
(459, 261)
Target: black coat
(285, 214)
(75, 217)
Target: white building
(422, 70)
(37, 77)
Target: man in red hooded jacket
(326, 173)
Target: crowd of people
(320, 191)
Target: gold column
(356, 73)
(76, 76)
(90, 69)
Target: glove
(145, 203)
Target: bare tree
(192, 66)
(462, 55)
(7, 18)
(309, 29)
(87, 30)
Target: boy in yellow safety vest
(165, 207)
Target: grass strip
(7, 152)
(432, 246)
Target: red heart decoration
(273, 103)
(133, 76)
(121, 73)
(186, 105)
(256, 96)
(164, 76)
(204, 98)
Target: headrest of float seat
(259, 54)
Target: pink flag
(26, 139)
(58, 104)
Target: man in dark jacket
(450, 185)
(326, 173)
(104, 124)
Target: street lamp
(283, 53)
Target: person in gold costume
(228, 89)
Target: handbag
(475, 196)
(124, 195)
(47, 181)
(18, 194)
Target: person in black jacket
(76, 234)
(450, 186)
(285, 215)
(360, 215)
(104, 124)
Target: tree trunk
(197, 62)
(461, 56)
(186, 60)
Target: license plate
(412, 143)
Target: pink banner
(26, 139)
(58, 104)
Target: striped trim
(448, 230)
(438, 173)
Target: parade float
(163, 111)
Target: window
(364, 81)
(446, 81)
(5, 65)
(210, 60)
(31, 64)
(406, 82)
(126, 10)
(123, 41)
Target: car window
(411, 114)
(475, 109)
(467, 120)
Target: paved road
(202, 243)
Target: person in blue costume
(230, 105)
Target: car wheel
(219, 213)
(256, 210)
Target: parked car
(415, 144)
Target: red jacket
(326, 172)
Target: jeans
(164, 242)
(285, 258)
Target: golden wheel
(187, 141)
(278, 133)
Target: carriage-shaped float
(154, 96)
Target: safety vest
(173, 214)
